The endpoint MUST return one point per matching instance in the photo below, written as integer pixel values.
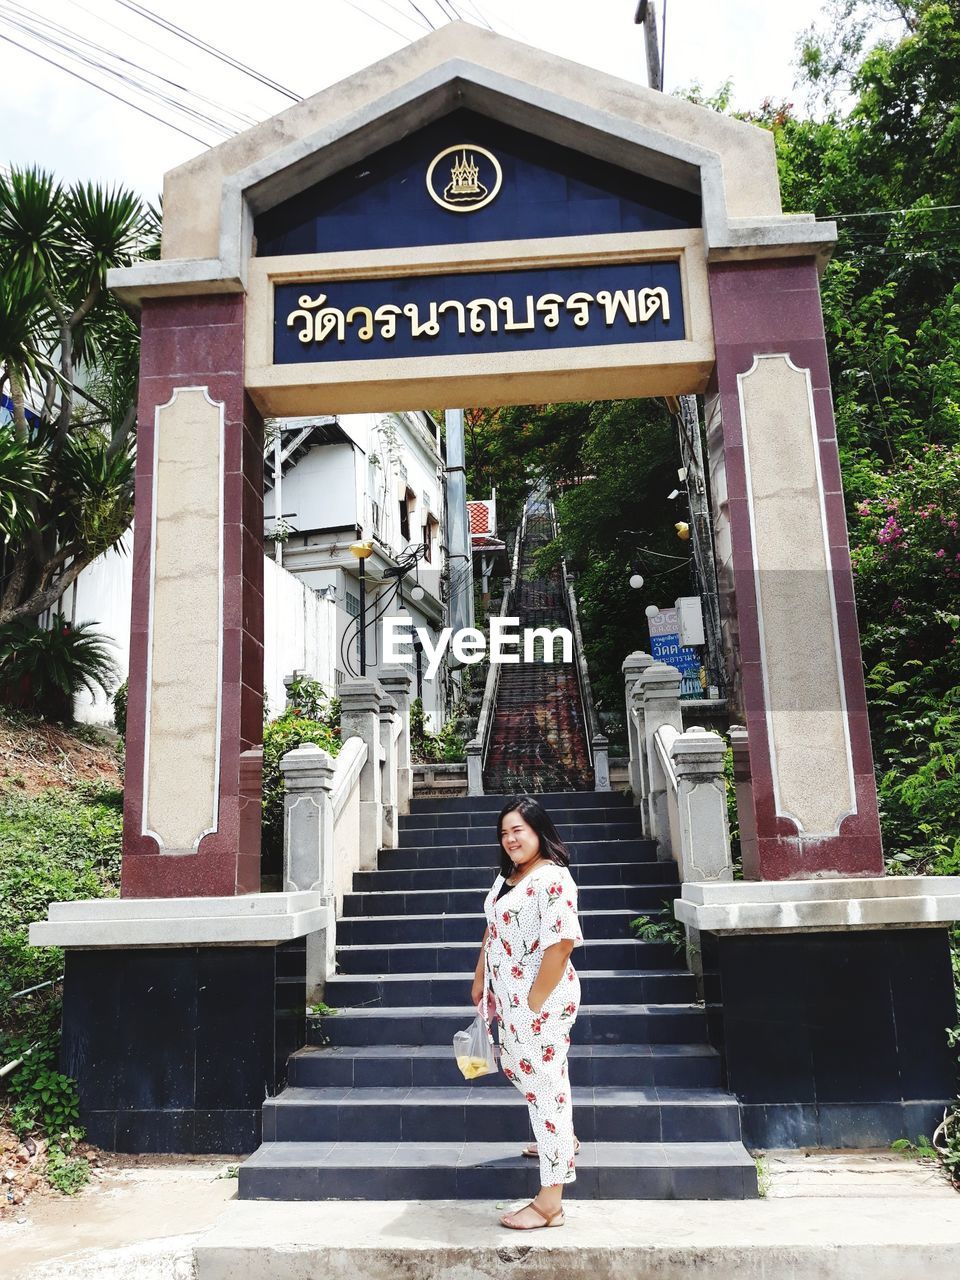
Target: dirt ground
(35, 755)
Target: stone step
(603, 1114)
(469, 926)
(683, 1023)
(494, 803)
(460, 957)
(444, 990)
(562, 815)
(493, 1171)
(394, 902)
(478, 876)
(579, 833)
(428, 1066)
(472, 855)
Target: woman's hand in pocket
(476, 991)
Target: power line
(182, 34)
(204, 142)
(413, 5)
(884, 213)
(380, 21)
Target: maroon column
(198, 342)
(774, 307)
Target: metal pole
(277, 484)
(647, 18)
(363, 618)
(458, 535)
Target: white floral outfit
(529, 918)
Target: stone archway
(311, 233)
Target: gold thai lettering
(319, 322)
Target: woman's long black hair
(533, 813)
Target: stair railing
(478, 748)
(597, 743)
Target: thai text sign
(665, 643)
(478, 312)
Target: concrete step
(444, 990)
(428, 1066)
(493, 1171)
(469, 926)
(478, 876)
(473, 855)
(605, 1113)
(581, 833)
(493, 803)
(459, 957)
(682, 1023)
(561, 815)
(393, 902)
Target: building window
(404, 519)
(375, 514)
(352, 605)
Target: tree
(69, 356)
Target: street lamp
(362, 550)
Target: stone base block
(175, 1048)
(834, 1039)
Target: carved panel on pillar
(182, 755)
(812, 768)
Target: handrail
(663, 740)
(347, 768)
(594, 731)
(485, 720)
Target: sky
(76, 130)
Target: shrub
(283, 735)
(120, 708)
(44, 668)
(445, 747)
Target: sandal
(532, 1152)
(549, 1220)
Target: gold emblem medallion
(472, 180)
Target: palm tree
(69, 357)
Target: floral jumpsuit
(529, 918)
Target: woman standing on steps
(525, 979)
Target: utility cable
(379, 21)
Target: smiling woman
(524, 974)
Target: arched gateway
(476, 222)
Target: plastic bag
(473, 1048)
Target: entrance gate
(473, 222)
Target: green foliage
(43, 1093)
(668, 930)
(446, 746)
(308, 698)
(922, 1149)
(120, 695)
(66, 461)
(284, 734)
(67, 1174)
(43, 668)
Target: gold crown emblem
(464, 181)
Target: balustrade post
(601, 762)
(396, 681)
(389, 777)
(308, 849)
(360, 718)
(660, 691)
(633, 667)
(746, 816)
(475, 768)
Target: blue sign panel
(549, 309)
(668, 649)
(531, 187)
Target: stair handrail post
(307, 819)
(389, 736)
(360, 718)
(660, 689)
(633, 667)
(636, 718)
(397, 683)
(478, 747)
(705, 857)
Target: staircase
(375, 1108)
(539, 738)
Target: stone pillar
(601, 762)
(633, 668)
(360, 718)
(388, 777)
(745, 810)
(475, 768)
(660, 690)
(396, 681)
(196, 648)
(784, 566)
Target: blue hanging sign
(478, 312)
(665, 643)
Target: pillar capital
(360, 695)
(634, 665)
(307, 767)
(698, 753)
(396, 681)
